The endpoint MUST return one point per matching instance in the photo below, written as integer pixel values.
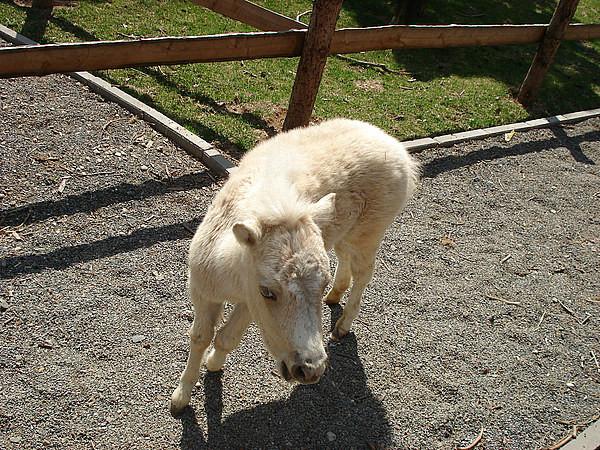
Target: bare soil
(483, 313)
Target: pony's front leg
(206, 315)
(228, 337)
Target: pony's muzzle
(307, 371)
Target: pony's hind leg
(343, 276)
(362, 264)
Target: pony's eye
(267, 293)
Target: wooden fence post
(42, 4)
(547, 50)
(312, 62)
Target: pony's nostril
(299, 372)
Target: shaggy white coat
(263, 243)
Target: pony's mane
(277, 202)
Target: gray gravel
(95, 213)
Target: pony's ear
(323, 212)
(247, 232)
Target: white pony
(263, 243)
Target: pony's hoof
(178, 403)
(215, 361)
(338, 333)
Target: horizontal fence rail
(251, 14)
(86, 56)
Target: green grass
(232, 103)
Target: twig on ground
(464, 14)
(20, 227)
(161, 71)
(385, 264)
(595, 360)
(381, 66)
(62, 166)
(105, 126)
(585, 319)
(460, 255)
(84, 174)
(541, 319)
(562, 441)
(508, 302)
(580, 423)
(93, 174)
(566, 308)
(506, 258)
(131, 36)
(474, 443)
(168, 172)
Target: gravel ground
(483, 312)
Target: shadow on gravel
(572, 143)
(340, 411)
(90, 201)
(68, 256)
(207, 133)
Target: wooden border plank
(187, 140)
(418, 145)
(589, 439)
(101, 55)
(15, 38)
(205, 152)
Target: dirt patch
(274, 115)
(370, 85)
(266, 119)
(481, 312)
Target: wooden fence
(285, 37)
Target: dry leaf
(43, 158)
(447, 241)
(62, 184)
(509, 136)
(158, 276)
